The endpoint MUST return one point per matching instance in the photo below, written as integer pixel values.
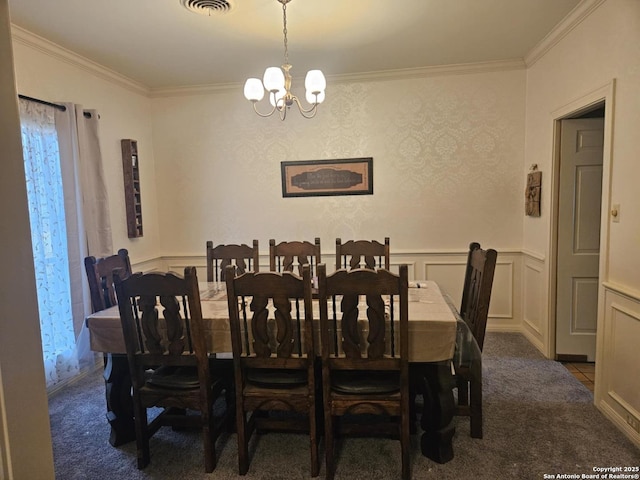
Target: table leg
(437, 416)
(119, 401)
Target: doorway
(580, 145)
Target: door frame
(578, 106)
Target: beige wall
(603, 47)
(25, 439)
(447, 154)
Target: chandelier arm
(255, 108)
(282, 112)
(306, 113)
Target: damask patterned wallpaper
(447, 156)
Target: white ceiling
(159, 43)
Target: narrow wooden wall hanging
(532, 192)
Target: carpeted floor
(538, 420)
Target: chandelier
(277, 83)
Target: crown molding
(47, 47)
(193, 90)
(400, 74)
(574, 18)
(29, 39)
(433, 71)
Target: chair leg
(414, 391)
(328, 446)
(208, 430)
(475, 407)
(230, 412)
(142, 434)
(243, 447)
(313, 440)
(463, 390)
(414, 407)
(405, 447)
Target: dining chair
(365, 369)
(273, 357)
(103, 295)
(474, 310)
(244, 257)
(168, 360)
(100, 277)
(362, 254)
(287, 256)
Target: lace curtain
(49, 240)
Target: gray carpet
(538, 420)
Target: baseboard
(76, 378)
(567, 357)
(619, 422)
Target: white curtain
(70, 219)
(49, 240)
(87, 206)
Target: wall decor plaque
(308, 178)
(532, 192)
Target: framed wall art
(308, 178)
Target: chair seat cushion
(365, 382)
(185, 378)
(276, 378)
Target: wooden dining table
(433, 321)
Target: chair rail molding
(630, 293)
(535, 255)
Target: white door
(578, 249)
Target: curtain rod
(54, 105)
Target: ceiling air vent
(208, 7)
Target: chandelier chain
(284, 31)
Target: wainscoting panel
(449, 274)
(503, 309)
(534, 316)
(150, 265)
(617, 386)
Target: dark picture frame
(314, 178)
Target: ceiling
(161, 44)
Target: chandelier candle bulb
(315, 82)
(253, 90)
(273, 79)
